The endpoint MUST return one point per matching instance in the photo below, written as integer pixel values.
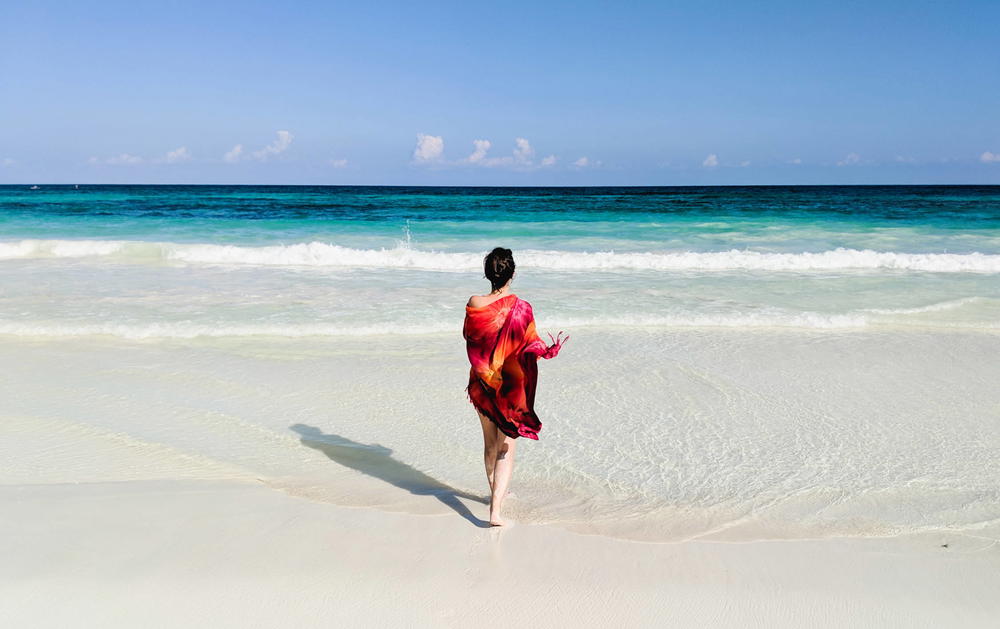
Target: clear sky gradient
(582, 93)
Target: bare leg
(491, 439)
(503, 470)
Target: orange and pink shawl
(503, 349)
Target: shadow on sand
(376, 460)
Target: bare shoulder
(477, 301)
(480, 301)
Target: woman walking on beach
(503, 348)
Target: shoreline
(724, 436)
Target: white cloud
(338, 163)
(523, 153)
(521, 157)
(586, 162)
(478, 154)
(988, 157)
(797, 160)
(124, 158)
(744, 163)
(233, 155)
(902, 159)
(849, 160)
(7, 162)
(711, 161)
(178, 155)
(280, 145)
(430, 148)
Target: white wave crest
(188, 330)
(324, 255)
(60, 248)
(318, 254)
(805, 320)
(941, 306)
(191, 330)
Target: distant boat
(33, 188)
(76, 187)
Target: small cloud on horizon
(232, 156)
(7, 161)
(180, 154)
(849, 160)
(478, 154)
(280, 145)
(744, 163)
(338, 163)
(277, 147)
(125, 158)
(586, 162)
(118, 160)
(711, 161)
(989, 157)
(797, 160)
(429, 149)
(523, 153)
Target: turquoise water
(149, 261)
(924, 218)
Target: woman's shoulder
(481, 301)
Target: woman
(503, 348)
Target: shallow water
(653, 435)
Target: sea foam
(327, 255)
(193, 329)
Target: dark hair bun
(499, 267)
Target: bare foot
(495, 520)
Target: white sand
(218, 554)
(163, 485)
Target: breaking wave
(190, 330)
(318, 254)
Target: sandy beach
(208, 553)
(160, 485)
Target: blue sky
(534, 93)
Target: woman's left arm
(538, 347)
